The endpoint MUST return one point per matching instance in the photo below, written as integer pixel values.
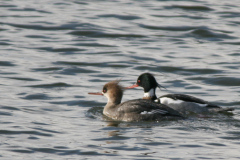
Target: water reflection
(114, 133)
(113, 123)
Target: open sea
(52, 53)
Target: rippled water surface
(52, 53)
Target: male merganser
(133, 110)
(180, 102)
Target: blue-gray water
(52, 53)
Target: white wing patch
(166, 101)
(156, 111)
(202, 105)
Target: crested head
(147, 81)
(113, 91)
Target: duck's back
(144, 110)
(186, 103)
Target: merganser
(180, 102)
(133, 110)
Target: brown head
(113, 91)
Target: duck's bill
(133, 86)
(96, 93)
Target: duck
(182, 103)
(133, 110)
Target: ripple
(33, 138)
(36, 96)
(211, 35)
(114, 138)
(104, 52)
(55, 151)
(7, 5)
(21, 16)
(119, 64)
(156, 143)
(82, 103)
(93, 45)
(7, 132)
(76, 70)
(6, 63)
(52, 85)
(236, 23)
(10, 108)
(47, 69)
(188, 7)
(216, 144)
(178, 83)
(229, 14)
(99, 34)
(40, 27)
(22, 151)
(231, 43)
(29, 10)
(182, 16)
(168, 28)
(95, 112)
(62, 4)
(128, 148)
(58, 151)
(78, 63)
(81, 3)
(23, 79)
(2, 113)
(40, 123)
(223, 81)
(46, 130)
(182, 70)
(67, 50)
(144, 58)
(4, 43)
(230, 138)
(37, 36)
(122, 17)
(234, 133)
(190, 146)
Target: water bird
(133, 110)
(180, 102)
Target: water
(52, 53)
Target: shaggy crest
(114, 90)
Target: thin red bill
(96, 93)
(133, 86)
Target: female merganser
(180, 102)
(133, 110)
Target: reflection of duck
(114, 133)
(180, 102)
(113, 123)
(133, 110)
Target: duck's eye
(104, 90)
(139, 81)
